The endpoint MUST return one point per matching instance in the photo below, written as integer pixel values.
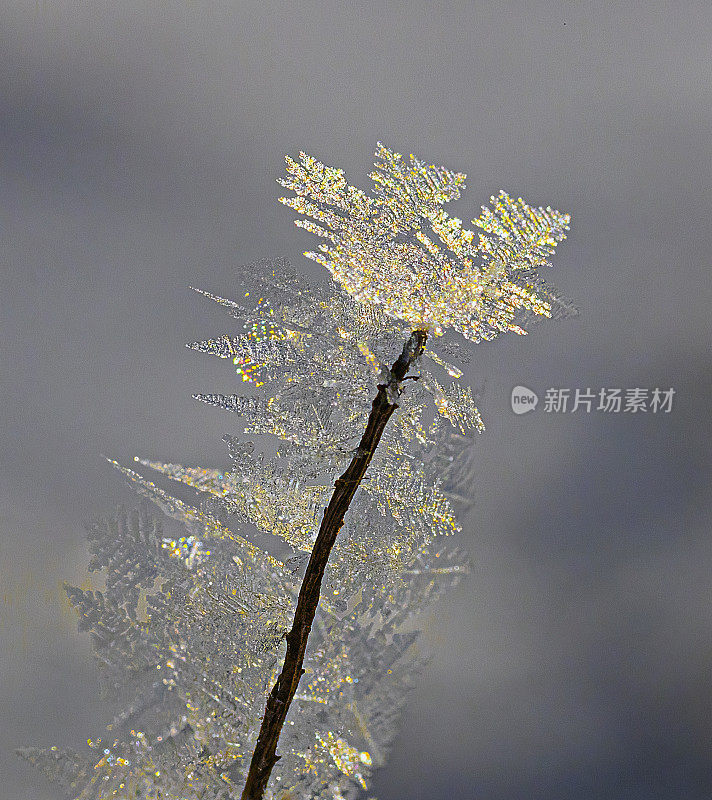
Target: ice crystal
(197, 666)
(400, 250)
(189, 629)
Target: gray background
(140, 143)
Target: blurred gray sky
(140, 144)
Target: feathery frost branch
(237, 582)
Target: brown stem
(265, 756)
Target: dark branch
(280, 698)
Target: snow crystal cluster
(200, 591)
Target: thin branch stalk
(384, 404)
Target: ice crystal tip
(400, 249)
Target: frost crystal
(400, 250)
(189, 629)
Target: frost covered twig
(280, 698)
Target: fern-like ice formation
(400, 250)
(189, 630)
(189, 639)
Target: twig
(384, 404)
